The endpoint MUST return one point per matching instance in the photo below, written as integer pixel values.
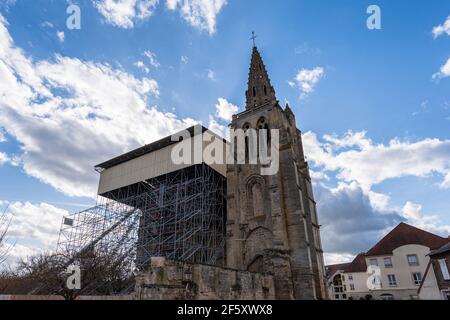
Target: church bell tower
(272, 224)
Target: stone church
(276, 215)
(271, 235)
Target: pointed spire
(260, 90)
(289, 114)
(288, 109)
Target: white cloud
(318, 175)
(18, 252)
(199, 13)
(443, 72)
(125, 13)
(443, 28)
(424, 108)
(351, 139)
(224, 113)
(3, 158)
(431, 223)
(225, 110)
(37, 222)
(141, 65)
(446, 183)
(357, 158)
(69, 115)
(352, 209)
(412, 211)
(33, 228)
(184, 59)
(305, 48)
(347, 213)
(61, 36)
(152, 59)
(306, 80)
(2, 135)
(47, 24)
(218, 128)
(337, 258)
(211, 75)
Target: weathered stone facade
(274, 213)
(273, 240)
(173, 280)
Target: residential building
(392, 269)
(436, 282)
(334, 274)
(347, 280)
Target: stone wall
(10, 297)
(173, 280)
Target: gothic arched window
(255, 196)
(247, 149)
(263, 125)
(257, 199)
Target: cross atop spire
(260, 90)
(254, 36)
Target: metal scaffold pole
(180, 215)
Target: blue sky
(374, 105)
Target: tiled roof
(358, 264)
(332, 269)
(405, 234)
(443, 249)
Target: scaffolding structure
(180, 215)
(184, 217)
(109, 229)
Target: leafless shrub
(101, 274)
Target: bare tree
(101, 274)
(12, 283)
(44, 272)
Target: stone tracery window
(255, 194)
(263, 125)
